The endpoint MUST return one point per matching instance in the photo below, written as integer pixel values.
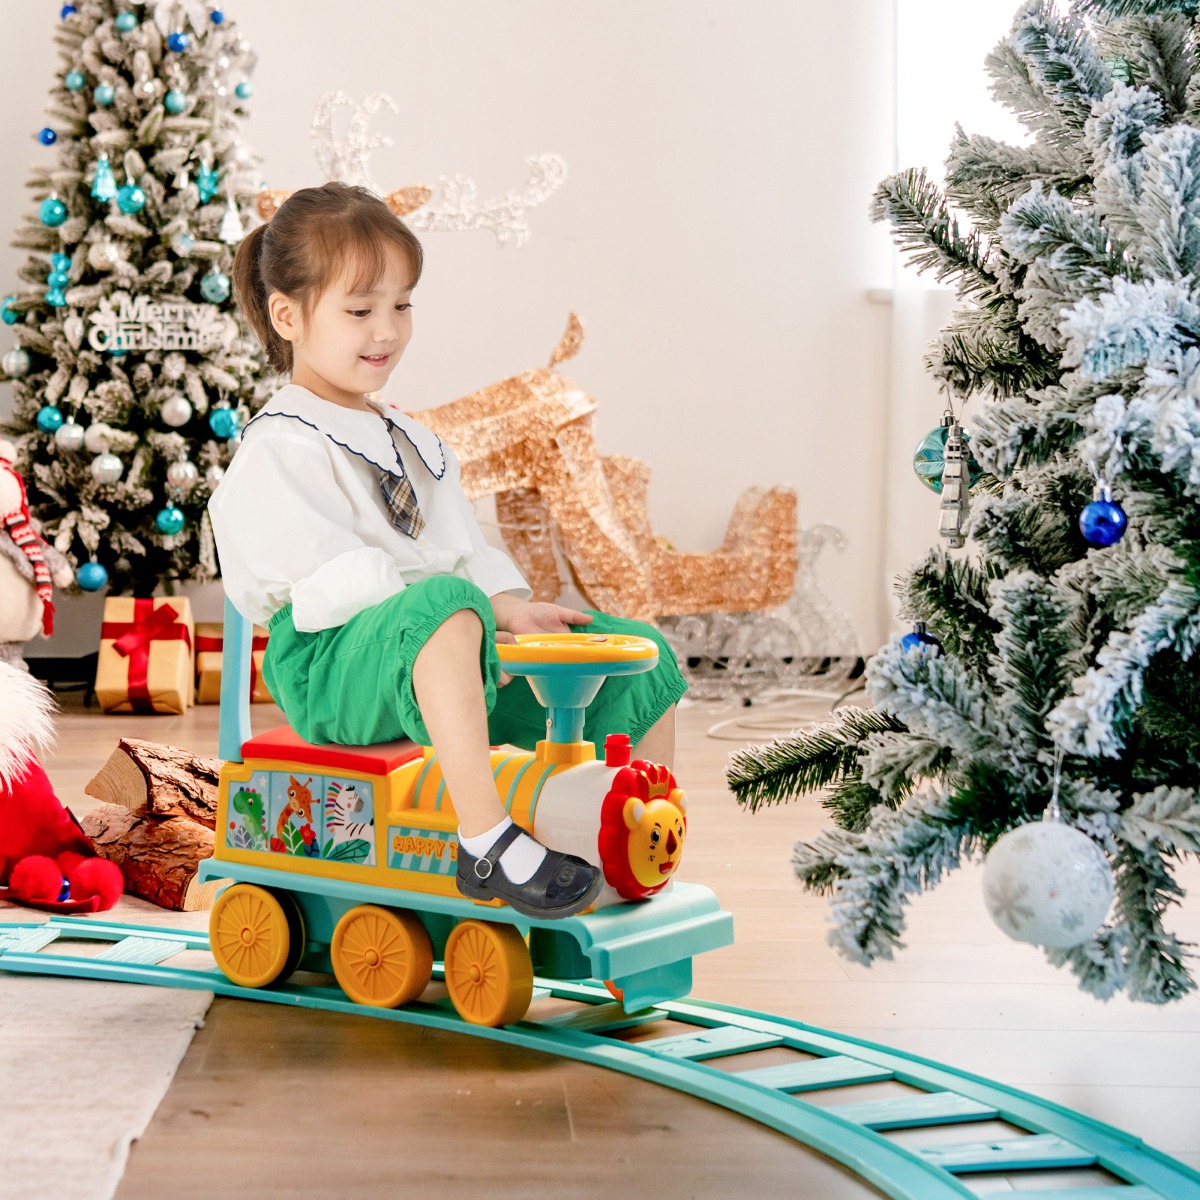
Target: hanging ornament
(1047, 882)
(91, 577)
(47, 136)
(104, 94)
(176, 411)
(126, 22)
(73, 328)
(919, 639)
(8, 312)
(170, 520)
(175, 101)
(929, 457)
(49, 418)
(66, 11)
(1103, 522)
(214, 475)
(73, 80)
(69, 436)
(96, 437)
(223, 420)
(147, 88)
(53, 211)
(232, 230)
(178, 42)
(182, 243)
(207, 182)
(183, 475)
(131, 199)
(104, 185)
(244, 90)
(55, 298)
(16, 362)
(104, 256)
(181, 180)
(107, 468)
(215, 287)
(60, 264)
(956, 490)
(216, 16)
(1120, 68)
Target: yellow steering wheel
(576, 649)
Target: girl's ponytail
(250, 292)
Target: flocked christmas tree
(1068, 638)
(131, 374)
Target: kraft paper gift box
(210, 639)
(146, 660)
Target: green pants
(352, 685)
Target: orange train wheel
(381, 957)
(251, 936)
(489, 973)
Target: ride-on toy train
(342, 858)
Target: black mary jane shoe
(562, 886)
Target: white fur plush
(26, 712)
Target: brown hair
(311, 240)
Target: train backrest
(234, 729)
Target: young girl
(343, 526)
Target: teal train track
(851, 1133)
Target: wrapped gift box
(210, 640)
(146, 658)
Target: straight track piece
(906, 1112)
(1011, 1154)
(835, 1071)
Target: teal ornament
(182, 243)
(8, 313)
(126, 22)
(16, 362)
(1120, 68)
(91, 577)
(55, 298)
(175, 101)
(215, 288)
(49, 418)
(104, 183)
(60, 262)
(177, 42)
(207, 182)
(104, 94)
(74, 81)
(170, 520)
(223, 422)
(131, 199)
(58, 279)
(47, 136)
(929, 459)
(53, 212)
(244, 90)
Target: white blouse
(300, 519)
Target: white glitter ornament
(176, 411)
(107, 468)
(103, 256)
(96, 437)
(69, 436)
(183, 475)
(1047, 882)
(16, 362)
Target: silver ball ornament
(107, 468)
(104, 256)
(176, 411)
(96, 437)
(1047, 883)
(69, 436)
(183, 475)
(16, 362)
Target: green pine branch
(950, 594)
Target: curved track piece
(772, 1095)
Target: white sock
(519, 861)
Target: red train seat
(284, 743)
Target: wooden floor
(275, 1102)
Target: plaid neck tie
(401, 501)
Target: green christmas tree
(1077, 343)
(132, 375)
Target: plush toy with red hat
(46, 860)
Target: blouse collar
(361, 432)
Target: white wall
(712, 232)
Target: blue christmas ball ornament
(178, 42)
(9, 314)
(91, 577)
(175, 102)
(47, 136)
(67, 10)
(170, 520)
(131, 199)
(216, 16)
(215, 287)
(919, 639)
(53, 211)
(104, 94)
(244, 90)
(126, 22)
(74, 81)
(49, 418)
(223, 422)
(1103, 522)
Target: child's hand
(508, 639)
(542, 617)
